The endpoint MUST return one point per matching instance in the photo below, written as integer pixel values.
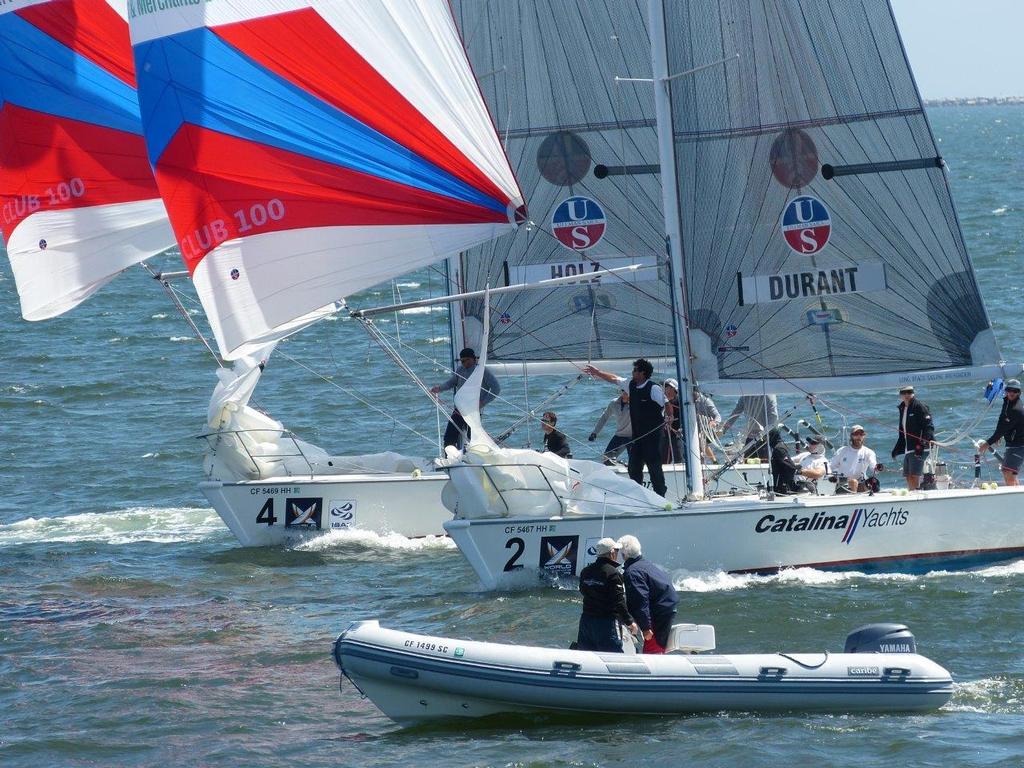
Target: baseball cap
(671, 383)
(1013, 384)
(857, 428)
(906, 389)
(813, 440)
(605, 545)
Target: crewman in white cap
(1011, 428)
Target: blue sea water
(134, 631)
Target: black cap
(468, 352)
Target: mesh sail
(308, 149)
(820, 241)
(547, 71)
(78, 203)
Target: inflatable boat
(417, 678)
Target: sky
(961, 48)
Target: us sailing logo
(806, 225)
(578, 223)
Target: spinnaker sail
(78, 202)
(822, 250)
(308, 149)
(549, 73)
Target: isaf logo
(343, 513)
(558, 554)
(303, 513)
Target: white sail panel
(549, 77)
(805, 165)
(308, 150)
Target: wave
(128, 526)
(992, 695)
(422, 310)
(336, 539)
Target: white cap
(605, 545)
(672, 383)
(857, 428)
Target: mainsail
(78, 203)
(308, 149)
(822, 250)
(548, 72)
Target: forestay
(78, 203)
(548, 72)
(821, 245)
(308, 149)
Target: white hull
(301, 507)
(414, 678)
(915, 533)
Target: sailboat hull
(885, 532)
(286, 510)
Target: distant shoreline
(974, 101)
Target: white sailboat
(353, 149)
(822, 253)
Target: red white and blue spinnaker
(308, 149)
(78, 202)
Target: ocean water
(134, 631)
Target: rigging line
(529, 414)
(353, 394)
(172, 294)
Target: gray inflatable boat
(416, 678)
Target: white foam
(987, 695)
(439, 340)
(408, 285)
(421, 310)
(724, 582)
(180, 338)
(337, 539)
(1000, 211)
(127, 526)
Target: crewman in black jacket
(916, 436)
(604, 602)
(1010, 427)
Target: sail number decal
(305, 512)
(60, 193)
(244, 221)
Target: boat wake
(370, 540)
(990, 695)
(128, 526)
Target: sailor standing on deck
(604, 602)
(617, 409)
(916, 435)
(646, 404)
(1011, 428)
(457, 431)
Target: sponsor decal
(533, 273)
(343, 513)
(235, 274)
(138, 8)
(733, 349)
(42, 245)
(731, 331)
(303, 513)
(862, 517)
(806, 225)
(460, 652)
(824, 316)
(863, 671)
(585, 302)
(558, 554)
(896, 648)
(505, 319)
(578, 223)
(811, 283)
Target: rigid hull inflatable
(416, 678)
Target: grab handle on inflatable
(774, 672)
(895, 672)
(565, 667)
(408, 674)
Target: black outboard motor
(881, 638)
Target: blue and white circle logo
(578, 223)
(806, 225)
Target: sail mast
(674, 240)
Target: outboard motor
(881, 638)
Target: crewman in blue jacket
(650, 596)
